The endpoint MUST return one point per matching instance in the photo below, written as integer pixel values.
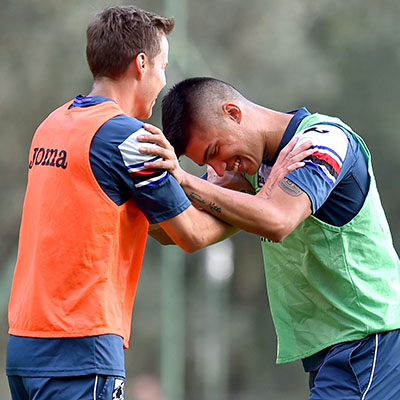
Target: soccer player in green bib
(333, 275)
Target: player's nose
(219, 167)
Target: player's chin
(147, 113)
(249, 169)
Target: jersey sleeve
(156, 192)
(325, 167)
(118, 167)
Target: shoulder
(330, 145)
(116, 130)
(115, 145)
(326, 136)
(118, 136)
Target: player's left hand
(289, 159)
(163, 149)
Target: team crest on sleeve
(119, 389)
(330, 146)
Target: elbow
(277, 231)
(191, 247)
(192, 243)
(187, 240)
(281, 231)
(277, 236)
(282, 220)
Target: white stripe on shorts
(95, 387)
(373, 367)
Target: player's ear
(233, 111)
(139, 63)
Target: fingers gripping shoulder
(134, 161)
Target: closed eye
(210, 153)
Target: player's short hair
(193, 101)
(120, 33)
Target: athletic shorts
(86, 387)
(367, 369)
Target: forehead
(162, 56)
(164, 46)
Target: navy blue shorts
(87, 387)
(367, 369)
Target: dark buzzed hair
(120, 33)
(190, 102)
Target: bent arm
(271, 215)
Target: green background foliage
(336, 57)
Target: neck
(119, 90)
(271, 126)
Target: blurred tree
(340, 58)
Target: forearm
(257, 214)
(195, 229)
(270, 213)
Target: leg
(384, 383)
(368, 369)
(335, 379)
(17, 388)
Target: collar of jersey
(298, 115)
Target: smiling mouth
(236, 165)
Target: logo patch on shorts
(119, 389)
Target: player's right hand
(164, 150)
